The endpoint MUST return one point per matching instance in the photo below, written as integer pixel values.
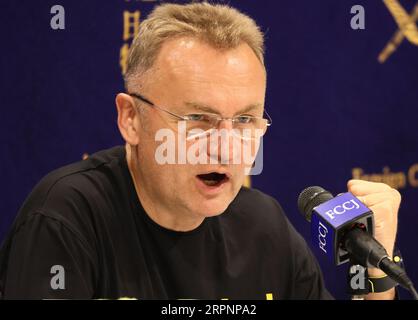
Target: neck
(164, 214)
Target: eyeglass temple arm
(269, 118)
(138, 96)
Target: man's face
(189, 76)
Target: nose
(224, 147)
(225, 124)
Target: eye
(198, 117)
(244, 119)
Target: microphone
(343, 228)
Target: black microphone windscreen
(311, 197)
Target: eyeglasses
(197, 124)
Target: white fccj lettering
(169, 310)
(322, 237)
(341, 209)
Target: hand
(384, 201)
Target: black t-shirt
(82, 233)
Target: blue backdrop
(338, 112)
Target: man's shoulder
(78, 170)
(73, 184)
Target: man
(123, 224)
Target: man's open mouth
(213, 179)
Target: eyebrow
(209, 109)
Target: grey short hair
(220, 26)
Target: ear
(128, 119)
